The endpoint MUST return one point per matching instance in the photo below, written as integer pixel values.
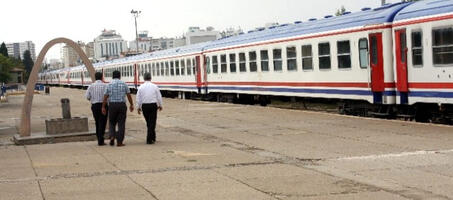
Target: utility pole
(136, 13)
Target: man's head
(98, 76)
(147, 76)
(116, 74)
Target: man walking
(149, 100)
(95, 94)
(115, 94)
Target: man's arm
(138, 99)
(159, 99)
(104, 102)
(129, 97)
(88, 93)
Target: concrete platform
(208, 150)
(43, 138)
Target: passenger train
(394, 60)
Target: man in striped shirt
(95, 94)
(115, 93)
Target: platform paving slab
(197, 184)
(23, 190)
(93, 188)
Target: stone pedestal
(72, 125)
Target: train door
(377, 66)
(198, 73)
(136, 75)
(401, 64)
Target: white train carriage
(423, 50)
(325, 58)
(176, 69)
(126, 66)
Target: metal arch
(25, 125)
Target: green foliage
(4, 50)
(5, 66)
(340, 11)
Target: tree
(4, 50)
(5, 67)
(340, 11)
(28, 64)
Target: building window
(223, 64)
(307, 57)
(417, 48)
(183, 68)
(242, 66)
(277, 59)
(344, 54)
(291, 59)
(232, 63)
(215, 65)
(102, 50)
(189, 67)
(177, 67)
(172, 68)
(264, 60)
(252, 61)
(324, 55)
(363, 52)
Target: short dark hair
(116, 74)
(98, 76)
(147, 76)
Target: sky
(83, 20)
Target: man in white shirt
(95, 94)
(149, 100)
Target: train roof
(425, 8)
(367, 16)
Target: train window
(324, 55)
(177, 67)
(172, 68)
(344, 54)
(277, 59)
(363, 53)
(223, 64)
(417, 48)
(443, 46)
(242, 66)
(183, 67)
(252, 61)
(232, 62)
(264, 60)
(167, 69)
(162, 69)
(215, 65)
(403, 46)
(189, 65)
(291, 60)
(157, 69)
(195, 70)
(208, 64)
(307, 57)
(373, 54)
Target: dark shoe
(102, 144)
(120, 145)
(112, 142)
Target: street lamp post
(136, 13)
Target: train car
(423, 52)
(326, 58)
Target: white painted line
(393, 155)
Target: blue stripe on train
(290, 90)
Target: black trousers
(150, 114)
(117, 115)
(100, 120)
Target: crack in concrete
(34, 171)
